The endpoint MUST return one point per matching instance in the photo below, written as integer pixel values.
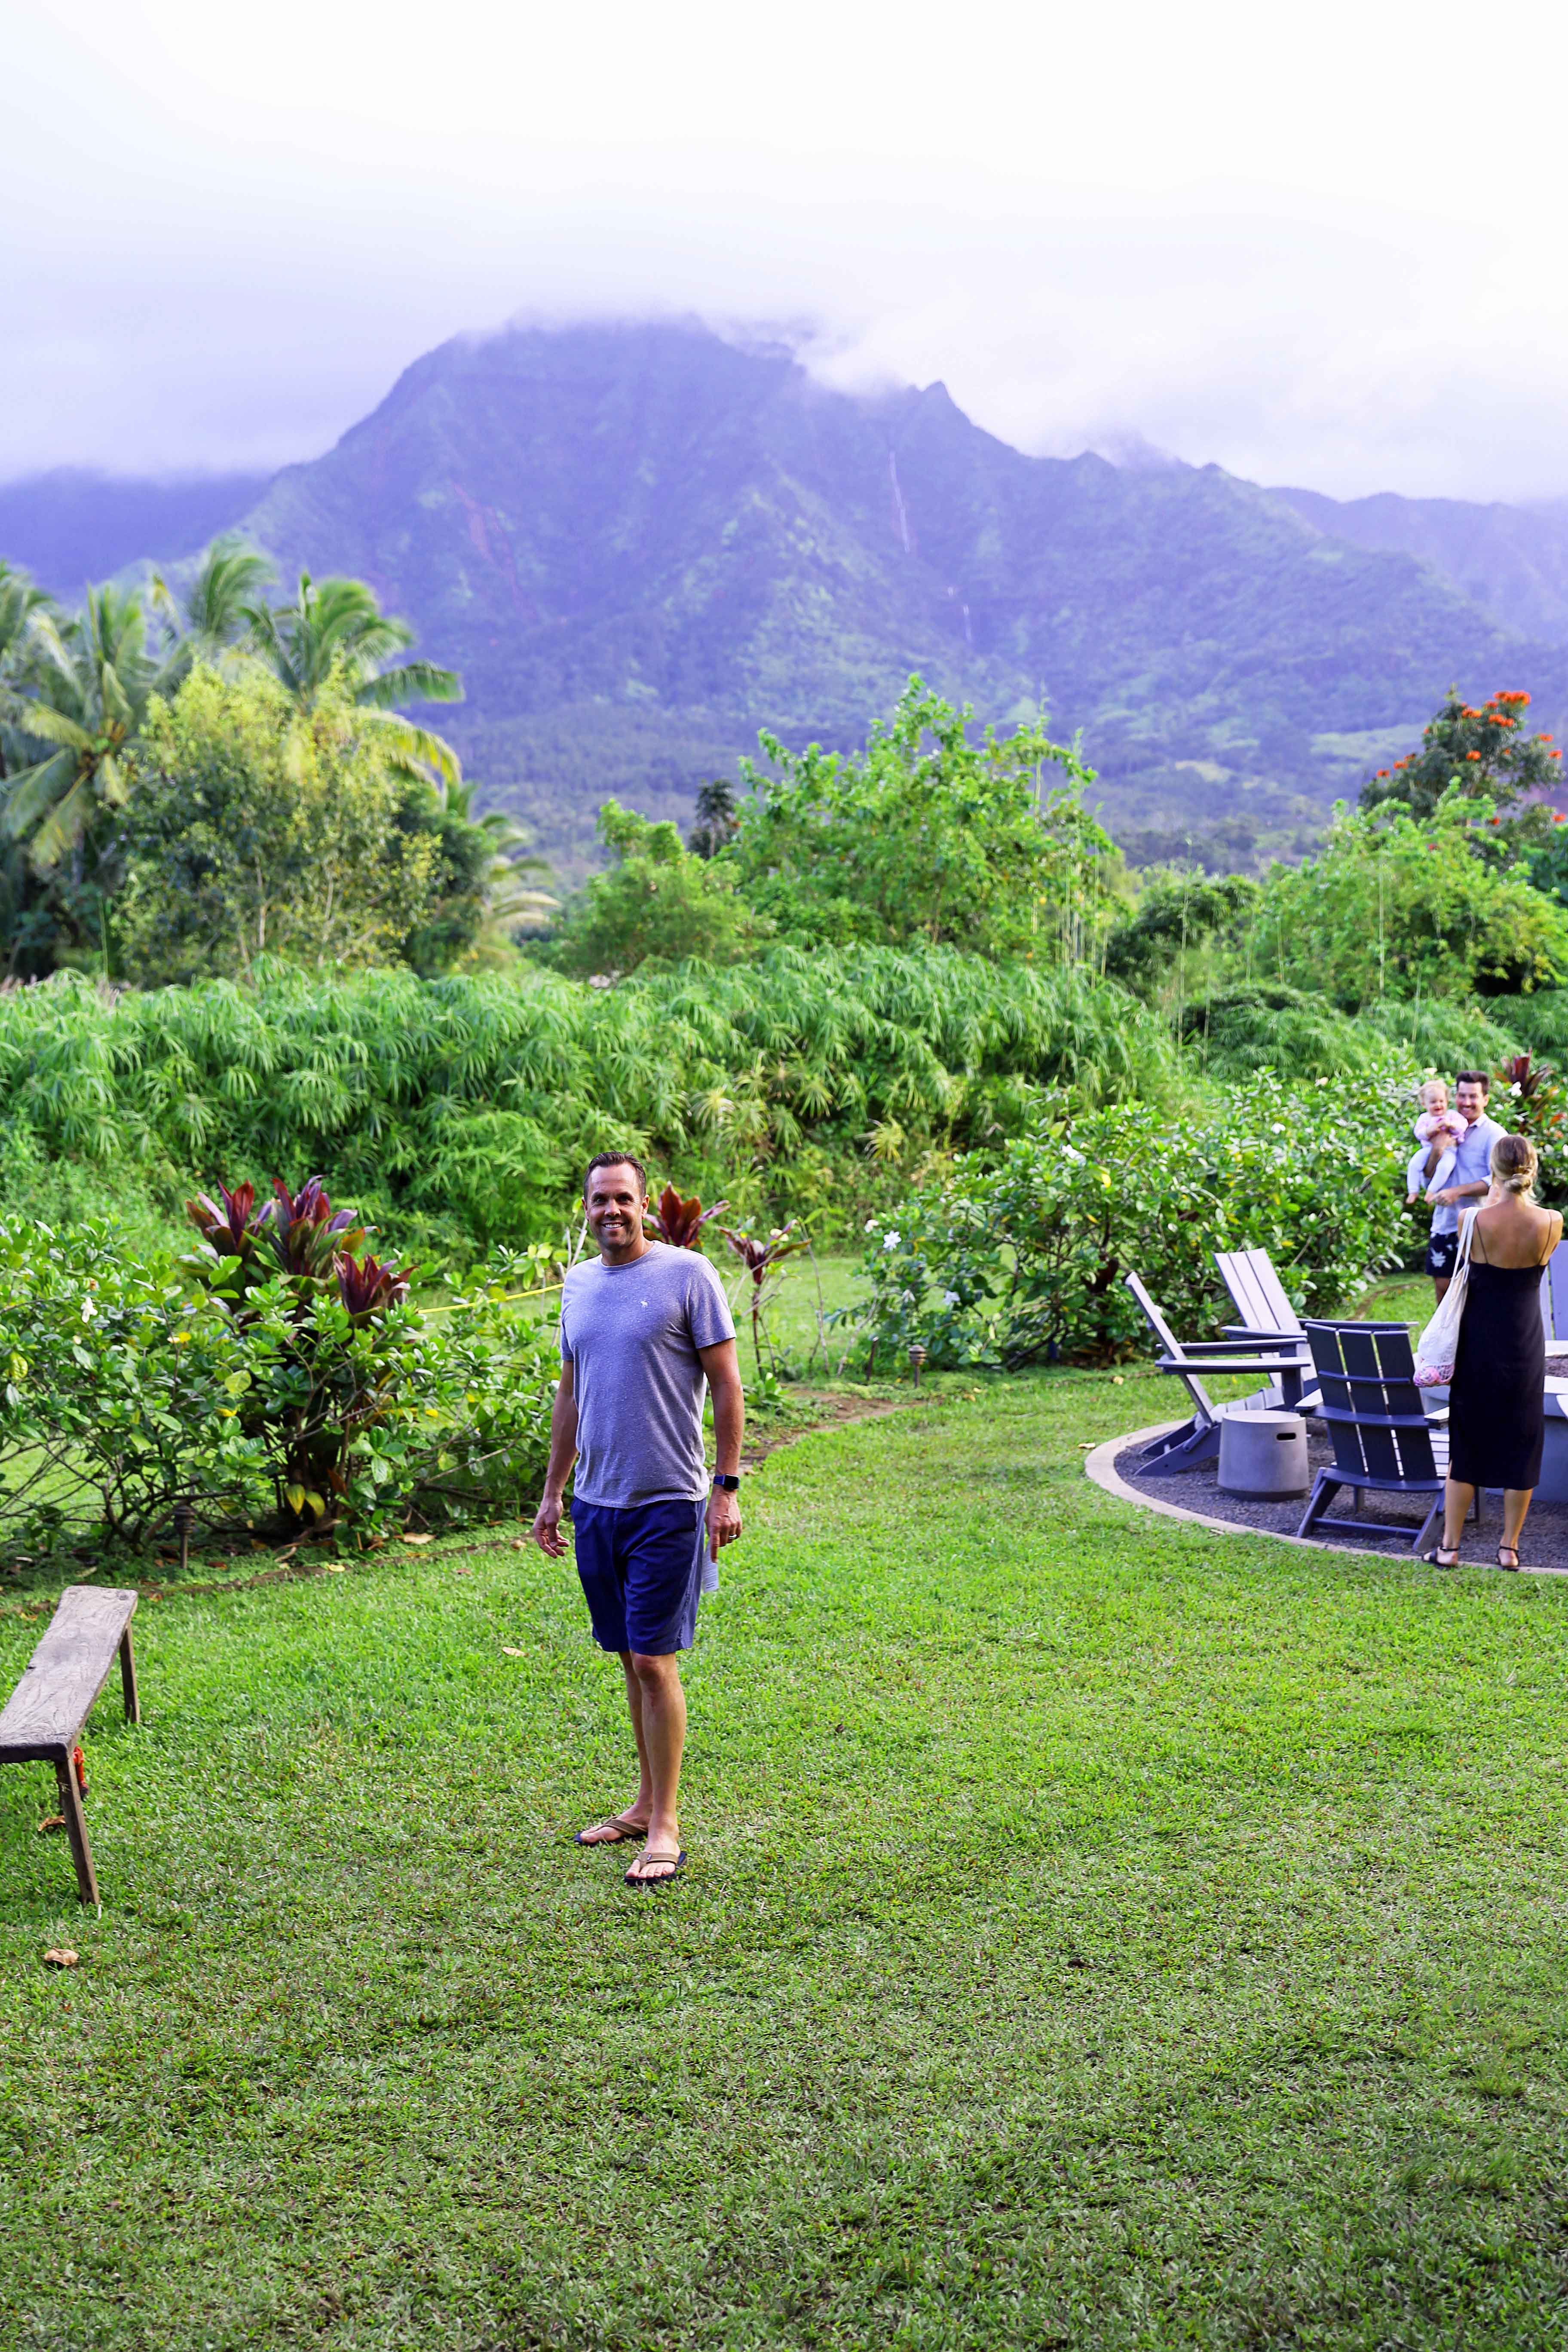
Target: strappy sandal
(1512, 1566)
(617, 1831)
(1435, 1558)
(639, 1879)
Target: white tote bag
(1438, 1345)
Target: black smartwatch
(731, 1485)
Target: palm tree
(93, 678)
(337, 628)
(510, 900)
(20, 600)
(214, 616)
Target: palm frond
(414, 681)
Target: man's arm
(721, 1363)
(546, 1531)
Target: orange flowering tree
(1489, 751)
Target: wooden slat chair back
(1171, 1346)
(1258, 1294)
(1554, 1299)
(1197, 1441)
(44, 1716)
(1376, 1418)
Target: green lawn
(1097, 1932)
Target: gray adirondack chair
(1266, 1315)
(1197, 1440)
(1384, 1439)
(1554, 1299)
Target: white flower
(1277, 1128)
(1514, 1090)
(890, 1239)
(88, 1310)
(872, 1223)
(950, 1298)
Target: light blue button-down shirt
(1470, 1162)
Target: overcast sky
(1317, 246)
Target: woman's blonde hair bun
(1514, 1164)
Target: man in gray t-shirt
(646, 1330)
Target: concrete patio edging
(1100, 1466)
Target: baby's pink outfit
(1433, 1124)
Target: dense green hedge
(459, 1111)
(1002, 1261)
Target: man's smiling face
(1471, 1102)
(615, 1204)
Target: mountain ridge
(639, 543)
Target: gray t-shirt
(632, 1332)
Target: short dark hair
(616, 1160)
(1474, 1078)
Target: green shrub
(1002, 1264)
(459, 1112)
(272, 1393)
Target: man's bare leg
(636, 1814)
(661, 1742)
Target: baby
(1436, 1125)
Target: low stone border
(1100, 1466)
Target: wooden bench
(43, 1715)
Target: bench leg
(128, 1677)
(76, 1828)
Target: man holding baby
(1454, 1165)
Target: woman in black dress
(1495, 1404)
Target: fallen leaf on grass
(411, 1538)
(1117, 1380)
(62, 1957)
(50, 1821)
(336, 1567)
(512, 1654)
(462, 1572)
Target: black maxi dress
(1496, 1418)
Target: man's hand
(1447, 1197)
(546, 1528)
(723, 1520)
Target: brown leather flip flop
(660, 1854)
(626, 1833)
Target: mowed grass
(1097, 1932)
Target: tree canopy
(927, 833)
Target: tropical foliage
(929, 836)
(1395, 907)
(1483, 748)
(459, 1112)
(1002, 1261)
(257, 827)
(84, 794)
(278, 1380)
(657, 901)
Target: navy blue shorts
(642, 1573)
(1442, 1254)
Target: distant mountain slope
(1510, 560)
(640, 542)
(69, 527)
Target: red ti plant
(228, 1229)
(306, 1237)
(368, 1289)
(762, 1258)
(679, 1222)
